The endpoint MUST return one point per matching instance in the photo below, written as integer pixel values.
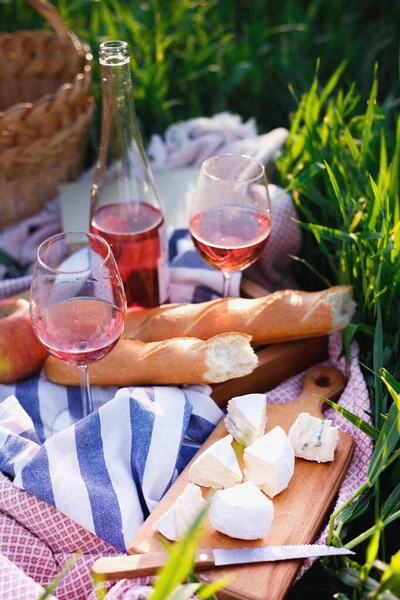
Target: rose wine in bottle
(125, 204)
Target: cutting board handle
(319, 381)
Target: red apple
(21, 353)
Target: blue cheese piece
(313, 438)
(269, 462)
(217, 467)
(175, 522)
(246, 418)
(241, 512)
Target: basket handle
(53, 17)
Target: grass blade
(392, 504)
(386, 443)
(356, 508)
(53, 585)
(378, 364)
(338, 194)
(312, 269)
(207, 591)
(369, 117)
(391, 577)
(184, 592)
(371, 431)
(329, 233)
(348, 336)
(333, 81)
(392, 385)
(376, 205)
(179, 564)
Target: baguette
(172, 362)
(281, 316)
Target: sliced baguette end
(343, 305)
(229, 355)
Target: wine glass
(78, 303)
(230, 214)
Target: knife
(141, 565)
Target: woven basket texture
(46, 105)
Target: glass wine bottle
(125, 204)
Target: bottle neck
(118, 111)
(122, 170)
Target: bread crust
(170, 362)
(282, 316)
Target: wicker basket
(46, 104)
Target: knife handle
(142, 565)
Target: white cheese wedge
(241, 512)
(217, 466)
(269, 462)
(175, 522)
(313, 438)
(247, 417)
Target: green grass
(198, 57)
(341, 163)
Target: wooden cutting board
(299, 510)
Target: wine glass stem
(227, 284)
(85, 391)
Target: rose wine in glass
(125, 204)
(78, 303)
(230, 238)
(230, 217)
(80, 331)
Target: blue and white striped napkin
(108, 471)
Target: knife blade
(238, 556)
(142, 565)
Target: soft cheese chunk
(247, 417)
(269, 462)
(241, 512)
(313, 438)
(179, 517)
(217, 466)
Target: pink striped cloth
(36, 540)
